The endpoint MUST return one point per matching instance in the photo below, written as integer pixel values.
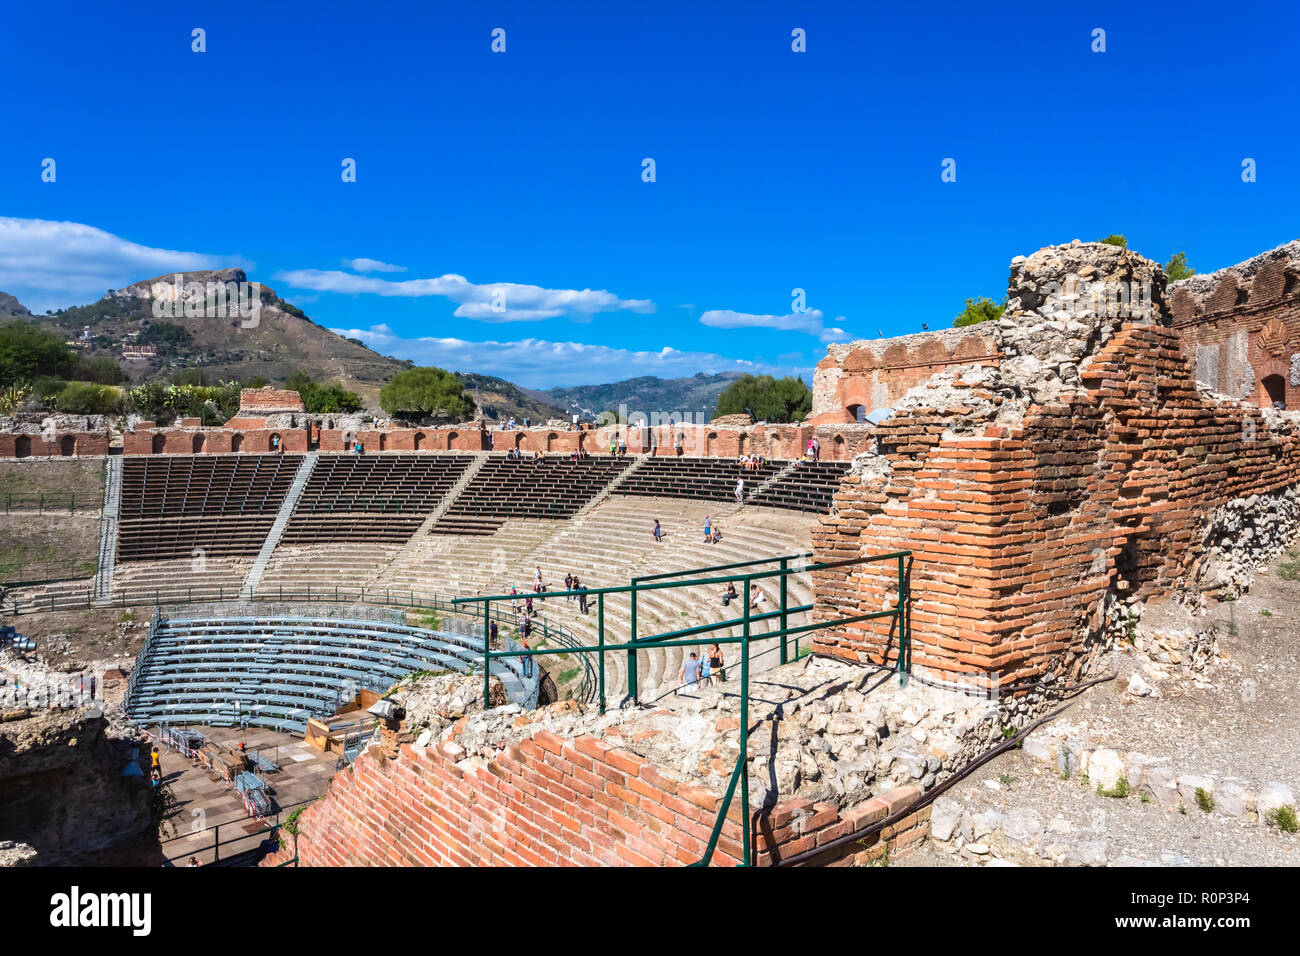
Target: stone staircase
(108, 530)
(255, 572)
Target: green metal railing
(688, 637)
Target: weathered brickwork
(553, 801)
(1240, 327)
(874, 374)
(1023, 538)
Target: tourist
(156, 769)
(659, 534)
(689, 674)
(740, 491)
(568, 586)
(525, 659)
(492, 634)
(582, 599)
(704, 672)
(537, 581)
(514, 600)
(275, 443)
(613, 446)
(708, 530)
(717, 533)
(730, 594)
(756, 601)
(528, 606)
(622, 446)
(193, 861)
(716, 664)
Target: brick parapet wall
(550, 801)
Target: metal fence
(748, 573)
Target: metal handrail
(683, 637)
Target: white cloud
(372, 265)
(490, 302)
(537, 363)
(810, 323)
(50, 265)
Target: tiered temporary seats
(275, 669)
(527, 488)
(709, 479)
(381, 499)
(810, 486)
(219, 505)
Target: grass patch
(1289, 570)
(1119, 791)
(1284, 819)
(1007, 780)
(1266, 612)
(1204, 800)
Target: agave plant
(13, 396)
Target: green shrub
(1284, 819)
(1120, 790)
(1204, 800)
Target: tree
(86, 398)
(28, 351)
(1116, 239)
(1176, 268)
(766, 399)
(426, 392)
(979, 310)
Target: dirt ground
(1239, 719)
(93, 638)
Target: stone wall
(1240, 327)
(1039, 496)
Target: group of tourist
(702, 672)
(571, 583)
(618, 446)
(751, 462)
(712, 532)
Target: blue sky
(522, 171)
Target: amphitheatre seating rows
(219, 506)
(606, 547)
(811, 486)
(529, 488)
(708, 479)
(279, 671)
(382, 499)
(205, 485)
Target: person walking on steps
(659, 534)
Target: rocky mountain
(11, 307)
(498, 399)
(697, 394)
(218, 321)
(232, 329)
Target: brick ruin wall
(1039, 495)
(875, 374)
(551, 800)
(1240, 327)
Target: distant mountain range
(284, 339)
(697, 394)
